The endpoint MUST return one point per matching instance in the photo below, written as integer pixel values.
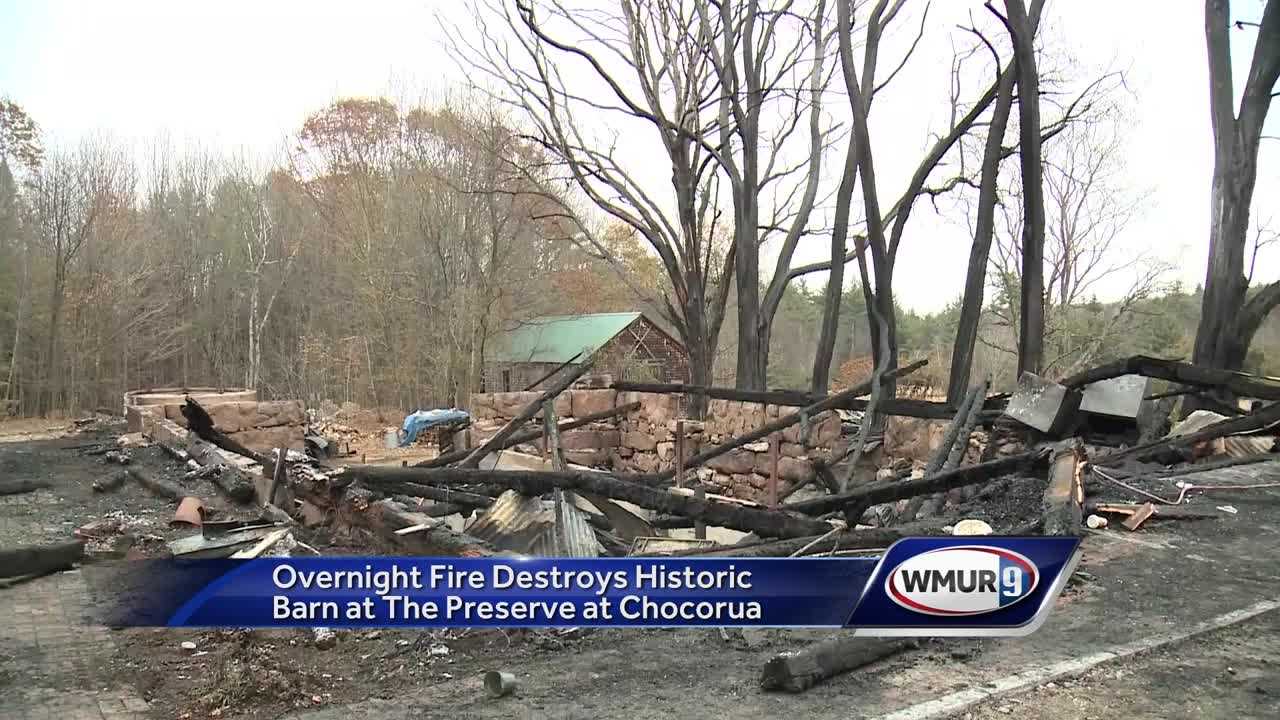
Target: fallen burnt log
(40, 559)
(445, 495)
(199, 422)
(17, 487)
(157, 486)
(111, 483)
(504, 434)
(766, 523)
(1184, 373)
(799, 671)
(889, 491)
(1264, 418)
(783, 423)
(532, 434)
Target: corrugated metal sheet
(532, 526)
(514, 522)
(569, 536)
(556, 339)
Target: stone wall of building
(258, 425)
(643, 440)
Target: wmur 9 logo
(962, 580)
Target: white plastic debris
(1096, 522)
(439, 649)
(188, 646)
(1228, 509)
(325, 638)
(971, 527)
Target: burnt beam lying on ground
(890, 491)
(800, 670)
(40, 559)
(766, 523)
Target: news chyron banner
(936, 586)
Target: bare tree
(73, 193)
(649, 61)
(1022, 28)
(1228, 318)
(762, 51)
(1087, 211)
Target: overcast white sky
(238, 74)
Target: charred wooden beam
(1264, 418)
(801, 670)
(906, 407)
(532, 434)
(111, 483)
(199, 422)
(783, 423)
(843, 540)
(889, 491)
(40, 559)
(1064, 497)
(939, 458)
(557, 369)
(766, 523)
(533, 408)
(460, 498)
(1185, 373)
(156, 485)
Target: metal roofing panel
(514, 522)
(556, 339)
(570, 536)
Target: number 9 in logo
(1011, 582)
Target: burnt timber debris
(588, 467)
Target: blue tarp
(421, 420)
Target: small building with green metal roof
(624, 345)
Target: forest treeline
(374, 266)
(378, 257)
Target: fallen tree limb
(766, 523)
(1181, 372)
(783, 423)
(1264, 418)
(889, 491)
(801, 670)
(17, 487)
(40, 559)
(532, 434)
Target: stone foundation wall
(260, 426)
(643, 441)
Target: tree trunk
(1224, 333)
(1031, 317)
(979, 254)
(835, 281)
